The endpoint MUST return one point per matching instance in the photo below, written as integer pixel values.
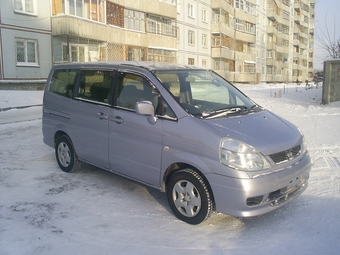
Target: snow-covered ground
(46, 211)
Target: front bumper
(256, 196)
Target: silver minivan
(183, 130)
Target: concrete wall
(331, 82)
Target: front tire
(189, 197)
(66, 156)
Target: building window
(136, 53)
(161, 55)
(115, 14)
(269, 54)
(191, 12)
(249, 67)
(239, 4)
(250, 8)
(270, 70)
(134, 20)
(76, 8)
(204, 40)
(191, 61)
(27, 6)
(161, 25)
(78, 53)
(88, 9)
(27, 52)
(204, 15)
(179, 4)
(239, 24)
(191, 37)
(250, 28)
(204, 62)
(285, 15)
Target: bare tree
(329, 42)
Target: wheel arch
(59, 134)
(173, 168)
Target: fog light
(251, 201)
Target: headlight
(303, 144)
(241, 156)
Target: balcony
(222, 52)
(271, 46)
(272, 15)
(296, 42)
(271, 30)
(82, 28)
(223, 28)
(245, 37)
(216, 4)
(271, 62)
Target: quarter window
(62, 82)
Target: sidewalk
(19, 99)
(17, 106)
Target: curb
(18, 107)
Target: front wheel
(66, 156)
(189, 197)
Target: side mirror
(146, 108)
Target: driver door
(135, 145)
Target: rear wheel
(66, 156)
(189, 197)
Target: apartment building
(194, 32)
(245, 41)
(25, 43)
(290, 43)
(303, 39)
(263, 40)
(97, 30)
(233, 40)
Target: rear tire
(189, 197)
(66, 156)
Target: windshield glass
(204, 94)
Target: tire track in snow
(325, 169)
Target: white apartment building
(194, 32)
(25, 42)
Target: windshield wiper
(226, 111)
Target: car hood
(263, 130)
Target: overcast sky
(327, 15)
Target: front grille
(287, 155)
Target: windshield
(204, 94)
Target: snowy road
(46, 211)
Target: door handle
(117, 119)
(102, 116)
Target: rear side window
(62, 82)
(95, 85)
